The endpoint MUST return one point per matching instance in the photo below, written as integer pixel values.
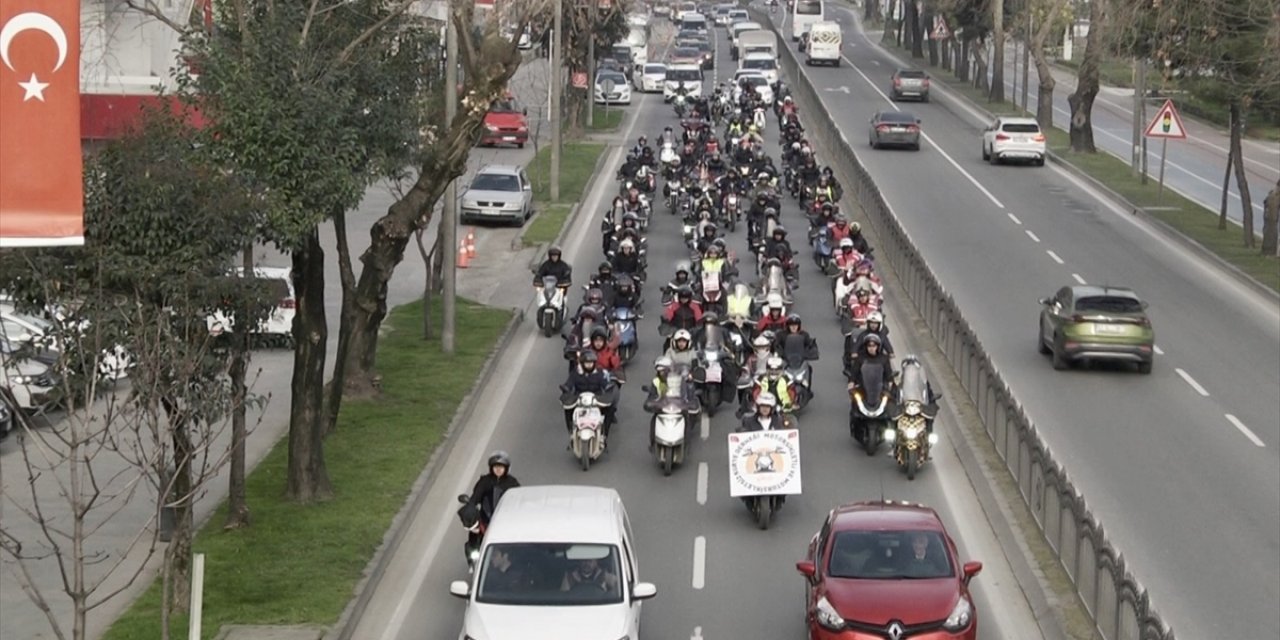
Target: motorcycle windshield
(914, 384)
(549, 284)
(710, 279)
(872, 382)
(713, 337)
(775, 282)
(674, 384)
(793, 350)
(863, 283)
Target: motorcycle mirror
(463, 498)
(1045, 301)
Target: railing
(1120, 606)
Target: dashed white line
(1158, 350)
(701, 492)
(1015, 219)
(699, 562)
(1033, 236)
(1055, 256)
(704, 426)
(1192, 381)
(1078, 278)
(1245, 430)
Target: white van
(693, 21)
(687, 75)
(528, 583)
(824, 45)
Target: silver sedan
(894, 128)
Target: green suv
(1088, 322)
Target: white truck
(758, 41)
(824, 44)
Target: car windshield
(622, 53)
(495, 182)
(686, 52)
(897, 116)
(1022, 128)
(504, 106)
(756, 80)
(550, 574)
(616, 78)
(759, 63)
(1108, 304)
(910, 73)
(889, 555)
(655, 68)
(684, 75)
(808, 7)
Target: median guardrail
(1120, 607)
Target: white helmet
(761, 342)
(774, 301)
(875, 316)
(766, 399)
(682, 334)
(846, 242)
(629, 244)
(774, 363)
(662, 363)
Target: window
(1108, 304)
(896, 117)
(684, 75)
(766, 64)
(808, 7)
(655, 68)
(504, 106)
(1019, 127)
(910, 73)
(495, 182)
(890, 555)
(556, 574)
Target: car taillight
(1002, 136)
(883, 127)
(1146, 322)
(925, 82)
(1077, 318)
(912, 127)
(287, 303)
(1039, 137)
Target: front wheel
(763, 512)
(713, 399)
(869, 440)
(913, 463)
(668, 460)
(584, 457)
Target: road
(1174, 464)
(743, 583)
(485, 281)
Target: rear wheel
(915, 146)
(1041, 346)
(763, 512)
(836, 63)
(1145, 367)
(985, 155)
(668, 459)
(1060, 361)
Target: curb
(377, 567)
(572, 218)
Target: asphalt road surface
(1180, 466)
(718, 576)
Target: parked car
(887, 569)
(7, 420)
(894, 129)
(1087, 322)
(500, 193)
(41, 333)
(651, 77)
(909, 83)
(506, 123)
(1014, 139)
(612, 88)
(30, 375)
(551, 534)
(277, 328)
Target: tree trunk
(913, 29)
(927, 27)
(308, 479)
(870, 9)
(1044, 91)
(428, 283)
(1242, 183)
(980, 78)
(1081, 101)
(182, 499)
(1226, 178)
(337, 387)
(237, 500)
(1271, 222)
(997, 55)
(962, 61)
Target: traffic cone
(464, 259)
(471, 243)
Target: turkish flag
(41, 170)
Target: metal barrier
(1120, 606)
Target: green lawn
(300, 564)
(577, 163)
(545, 226)
(606, 119)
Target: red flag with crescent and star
(41, 169)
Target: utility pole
(556, 87)
(1026, 60)
(448, 230)
(1139, 141)
(591, 64)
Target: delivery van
(824, 44)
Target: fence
(1120, 607)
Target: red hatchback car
(887, 570)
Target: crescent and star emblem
(33, 21)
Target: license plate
(1110, 329)
(898, 129)
(713, 373)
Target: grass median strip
(299, 564)
(606, 119)
(577, 164)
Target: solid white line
(1158, 350)
(1245, 430)
(697, 634)
(699, 562)
(1054, 256)
(702, 483)
(1192, 381)
(1015, 219)
(1078, 278)
(1033, 236)
(704, 426)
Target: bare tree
(1081, 100)
(997, 55)
(1047, 18)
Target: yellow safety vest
(712, 264)
(739, 306)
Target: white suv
(1014, 139)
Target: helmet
(682, 334)
(595, 296)
(793, 318)
(841, 221)
(643, 141)
(846, 243)
(761, 342)
(554, 251)
(683, 267)
(775, 363)
(855, 227)
(684, 292)
(630, 216)
(872, 338)
(766, 399)
(774, 301)
(605, 267)
(662, 363)
(588, 357)
(875, 316)
(864, 265)
(599, 332)
(709, 227)
(780, 230)
(710, 317)
(501, 458)
(628, 244)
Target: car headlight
(470, 204)
(827, 617)
(913, 408)
(511, 206)
(490, 127)
(961, 615)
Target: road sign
(1167, 124)
(580, 79)
(940, 30)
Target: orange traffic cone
(471, 243)
(464, 259)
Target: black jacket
(627, 263)
(597, 382)
(752, 423)
(778, 249)
(860, 243)
(853, 344)
(488, 491)
(886, 368)
(559, 268)
(810, 345)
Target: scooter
(550, 298)
(867, 419)
(624, 319)
(474, 524)
(587, 441)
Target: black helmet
(588, 356)
(793, 319)
(605, 267)
(780, 230)
(710, 317)
(684, 292)
(599, 332)
(595, 296)
(553, 251)
(500, 457)
(872, 338)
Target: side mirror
(463, 498)
(919, 121)
(647, 389)
(525, 111)
(1144, 305)
(460, 589)
(971, 569)
(1046, 301)
(807, 569)
(644, 591)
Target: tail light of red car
(287, 303)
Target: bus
(804, 15)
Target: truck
(638, 40)
(758, 41)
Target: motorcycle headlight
(890, 435)
(713, 356)
(826, 615)
(933, 439)
(961, 615)
(910, 433)
(688, 229)
(913, 408)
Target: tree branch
(150, 9)
(351, 47)
(306, 25)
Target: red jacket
(607, 358)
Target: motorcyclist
(854, 341)
(774, 380)
(840, 229)
(765, 418)
(778, 247)
(772, 318)
(629, 167)
(587, 377)
(788, 106)
(847, 257)
(658, 389)
(707, 236)
(641, 145)
(866, 269)
(714, 259)
(627, 294)
(859, 241)
(667, 136)
(869, 352)
(825, 188)
(793, 329)
(680, 279)
(593, 303)
(834, 183)
(681, 351)
(488, 491)
(627, 260)
(603, 279)
(683, 312)
(554, 266)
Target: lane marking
(704, 426)
(1078, 278)
(699, 562)
(1245, 430)
(1158, 350)
(1054, 256)
(697, 634)
(1033, 236)
(701, 492)
(1192, 381)
(1015, 219)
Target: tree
(1047, 16)
(1081, 100)
(162, 224)
(488, 60)
(1270, 217)
(997, 55)
(609, 26)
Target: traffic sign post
(1167, 124)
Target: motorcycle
(681, 105)
(668, 156)
(624, 319)
(710, 376)
(911, 435)
(731, 211)
(822, 250)
(671, 423)
(775, 282)
(758, 119)
(867, 418)
(712, 291)
(587, 441)
(474, 524)
(550, 297)
(645, 180)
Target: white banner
(764, 463)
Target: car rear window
(1021, 128)
(655, 68)
(910, 73)
(1108, 304)
(686, 52)
(495, 182)
(759, 63)
(897, 116)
